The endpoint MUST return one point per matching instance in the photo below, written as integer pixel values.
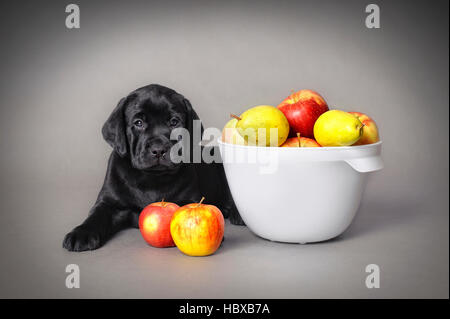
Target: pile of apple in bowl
(319, 161)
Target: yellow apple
(255, 126)
(197, 229)
(337, 128)
(370, 130)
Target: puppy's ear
(114, 129)
(191, 116)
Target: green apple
(231, 135)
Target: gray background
(59, 85)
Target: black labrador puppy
(140, 170)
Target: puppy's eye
(174, 121)
(138, 123)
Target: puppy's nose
(158, 151)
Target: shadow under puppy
(140, 170)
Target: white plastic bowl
(298, 195)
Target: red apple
(300, 142)
(370, 130)
(154, 223)
(302, 109)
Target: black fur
(140, 170)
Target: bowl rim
(303, 149)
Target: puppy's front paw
(81, 239)
(236, 219)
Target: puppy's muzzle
(157, 148)
(158, 151)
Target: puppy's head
(141, 124)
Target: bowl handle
(366, 164)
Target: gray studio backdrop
(58, 86)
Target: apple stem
(235, 116)
(201, 201)
(162, 202)
(299, 140)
